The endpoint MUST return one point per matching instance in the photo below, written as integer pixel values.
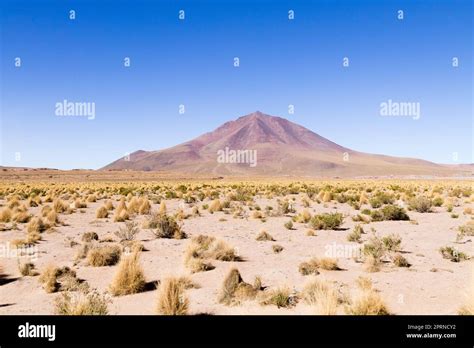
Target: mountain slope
(279, 148)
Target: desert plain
(75, 244)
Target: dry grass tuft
(107, 255)
(321, 296)
(5, 215)
(81, 303)
(166, 227)
(129, 278)
(171, 297)
(367, 302)
(280, 297)
(264, 236)
(234, 289)
(102, 212)
(55, 279)
(27, 269)
(313, 265)
(203, 248)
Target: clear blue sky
(190, 62)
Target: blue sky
(190, 62)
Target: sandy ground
(415, 290)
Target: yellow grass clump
(129, 278)
(107, 255)
(102, 212)
(321, 296)
(234, 289)
(171, 297)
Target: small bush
(321, 296)
(392, 242)
(368, 302)
(264, 236)
(81, 303)
(452, 254)
(128, 232)
(420, 204)
(102, 212)
(373, 251)
(89, 237)
(167, 227)
(280, 297)
(53, 278)
(277, 248)
(234, 289)
(356, 234)
(27, 269)
(288, 225)
(393, 212)
(107, 255)
(400, 261)
(326, 221)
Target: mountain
(274, 146)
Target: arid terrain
(73, 243)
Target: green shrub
(326, 221)
(420, 204)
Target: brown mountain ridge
(262, 145)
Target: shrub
(60, 206)
(277, 248)
(303, 217)
(107, 255)
(121, 215)
(5, 215)
(264, 236)
(280, 297)
(36, 225)
(127, 232)
(312, 266)
(321, 296)
(420, 204)
(215, 206)
(102, 212)
(309, 267)
(326, 221)
(438, 201)
(368, 302)
(466, 230)
(400, 261)
(452, 254)
(129, 278)
(356, 234)
(393, 212)
(392, 242)
(81, 303)
(89, 237)
(27, 269)
(373, 251)
(234, 289)
(288, 225)
(167, 227)
(53, 277)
